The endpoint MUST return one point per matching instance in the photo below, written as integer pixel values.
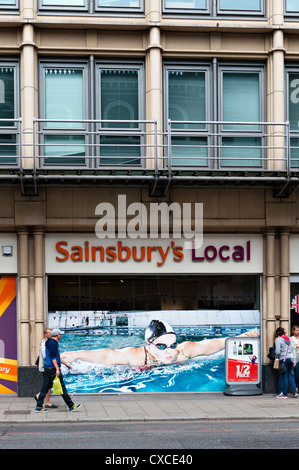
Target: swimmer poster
(8, 336)
(149, 351)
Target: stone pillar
(28, 68)
(154, 91)
(269, 313)
(285, 279)
(39, 284)
(278, 104)
(23, 297)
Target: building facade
(146, 102)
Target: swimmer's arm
(202, 348)
(106, 356)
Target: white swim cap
(157, 328)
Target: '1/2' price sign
(242, 356)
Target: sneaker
(40, 410)
(281, 395)
(75, 407)
(295, 395)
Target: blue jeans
(49, 376)
(296, 371)
(287, 378)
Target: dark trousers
(49, 376)
(287, 378)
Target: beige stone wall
(73, 209)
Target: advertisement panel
(243, 364)
(8, 336)
(127, 352)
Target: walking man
(53, 369)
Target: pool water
(205, 373)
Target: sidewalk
(147, 407)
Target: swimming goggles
(162, 346)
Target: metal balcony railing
(229, 145)
(208, 147)
(94, 144)
(10, 144)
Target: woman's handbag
(276, 363)
(282, 366)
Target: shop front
(105, 294)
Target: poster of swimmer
(148, 351)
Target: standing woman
(285, 351)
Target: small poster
(242, 357)
(8, 336)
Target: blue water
(205, 373)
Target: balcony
(120, 153)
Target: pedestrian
(41, 366)
(285, 351)
(53, 369)
(295, 341)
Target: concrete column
(28, 61)
(39, 285)
(269, 314)
(276, 10)
(23, 297)
(154, 89)
(285, 278)
(153, 10)
(278, 105)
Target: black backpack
(272, 354)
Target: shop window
(199, 100)
(214, 8)
(127, 293)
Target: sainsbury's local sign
(218, 253)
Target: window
(119, 5)
(77, 128)
(241, 101)
(9, 5)
(188, 101)
(199, 102)
(64, 100)
(184, 7)
(118, 90)
(291, 6)
(93, 6)
(9, 112)
(214, 7)
(293, 113)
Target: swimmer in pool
(161, 348)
